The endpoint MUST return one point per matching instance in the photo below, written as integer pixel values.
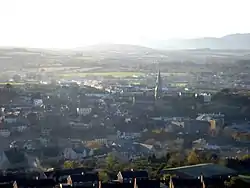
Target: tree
(193, 158)
(103, 176)
(236, 182)
(17, 78)
(168, 155)
(68, 164)
(8, 86)
(245, 157)
(111, 161)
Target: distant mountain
(117, 48)
(232, 42)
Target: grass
(114, 74)
(11, 83)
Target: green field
(114, 74)
(11, 83)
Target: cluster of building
(72, 121)
(187, 176)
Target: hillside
(230, 42)
(118, 48)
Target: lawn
(114, 74)
(11, 83)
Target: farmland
(114, 74)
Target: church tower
(158, 87)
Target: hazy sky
(74, 23)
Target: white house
(28, 146)
(37, 102)
(4, 133)
(45, 131)
(21, 128)
(84, 111)
(128, 135)
(80, 125)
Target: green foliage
(68, 164)
(193, 158)
(236, 182)
(71, 164)
(104, 177)
(245, 157)
(153, 164)
(111, 161)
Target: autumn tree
(103, 176)
(193, 158)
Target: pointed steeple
(158, 87)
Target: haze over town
(77, 23)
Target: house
(22, 128)
(84, 111)
(80, 125)
(147, 183)
(77, 153)
(19, 128)
(45, 131)
(9, 184)
(28, 145)
(10, 119)
(38, 183)
(51, 153)
(70, 154)
(61, 175)
(128, 135)
(130, 175)
(208, 170)
(181, 183)
(86, 179)
(4, 132)
(116, 185)
(14, 158)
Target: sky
(77, 23)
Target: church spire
(158, 87)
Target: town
(146, 124)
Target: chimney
(135, 183)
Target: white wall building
(4, 133)
(83, 111)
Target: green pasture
(114, 74)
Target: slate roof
(88, 177)
(36, 183)
(6, 179)
(117, 185)
(81, 149)
(17, 159)
(62, 172)
(207, 169)
(15, 156)
(180, 182)
(7, 185)
(134, 174)
(148, 183)
(66, 172)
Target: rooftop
(207, 169)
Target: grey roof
(17, 159)
(207, 169)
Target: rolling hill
(230, 42)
